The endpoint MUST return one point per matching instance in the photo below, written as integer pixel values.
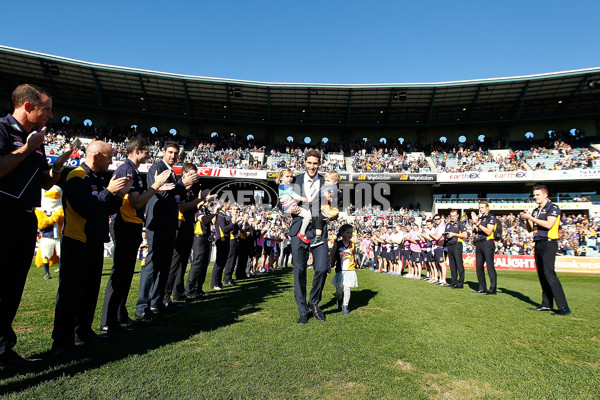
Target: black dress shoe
(562, 311)
(67, 350)
(540, 308)
(116, 329)
(12, 358)
(89, 337)
(457, 287)
(303, 319)
(480, 292)
(491, 293)
(317, 312)
(146, 315)
(126, 321)
(230, 283)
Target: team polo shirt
(488, 219)
(22, 187)
(455, 227)
(549, 210)
(128, 212)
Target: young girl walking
(342, 256)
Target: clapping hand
(120, 185)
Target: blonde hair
(333, 174)
(281, 173)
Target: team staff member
(544, 222)
(184, 239)
(23, 173)
(161, 227)
(234, 237)
(87, 202)
(201, 247)
(485, 246)
(456, 233)
(221, 236)
(244, 244)
(128, 233)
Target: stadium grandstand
(438, 145)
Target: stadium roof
(104, 87)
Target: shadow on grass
(519, 296)
(358, 299)
(216, 310)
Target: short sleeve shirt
(22, 187)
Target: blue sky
(316, 41)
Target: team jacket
(87, 205)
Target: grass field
(403, 339)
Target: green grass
(402, 339)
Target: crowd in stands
(463, 160)
(233, 152)
(561, 156)
(388, 161)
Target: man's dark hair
(28, 93)
(313, 153)
(188, 166)
(170, 143)
(138, 142)
(543, 188)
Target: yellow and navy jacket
(127, 212)
(488, 219)
(455, 227)
(190, 194)
(223, 227)
(549, 210)
(87, 205)
(200, 228)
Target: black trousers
(220, 261)
(200, 258)
(128, 237)
(231, 260)
(79, 283)
(457, 269)
(545, 258)
(181, 255)
(17, 244)
(299, 262)
(242, 259)
(484, 254)
(156, 270)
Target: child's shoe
(303, 238)
(317, 242)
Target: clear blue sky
(315, 41)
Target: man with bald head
(87, 203)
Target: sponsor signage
(393, 177)
(527, 263)
(474, 176)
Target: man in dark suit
(307, 184)
(161, 228)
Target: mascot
(50, 220)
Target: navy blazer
(163, 207)
(314, 207)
